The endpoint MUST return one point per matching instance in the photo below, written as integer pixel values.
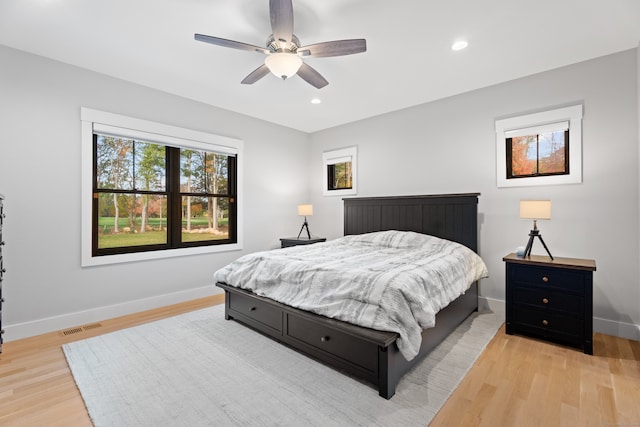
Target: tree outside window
(340, 172)
(540, 154)
(540, 148)
(149, 196)
(340, 176)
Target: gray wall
(40, 176)
(440, 147)
(449, 146)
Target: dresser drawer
(547, 324)
(263, 313)
(332, 342)
(567, 280)
(546, 299)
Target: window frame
(335, 157)
(536, 123)
(172, 136)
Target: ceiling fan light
(283, 64)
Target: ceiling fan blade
(256, 75)
(311, 76)
(281, 12)
(334, 48)
(230, 43)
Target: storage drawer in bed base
(367, 354)
(347, 347)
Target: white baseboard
(56, 323)
(616, 328)
(51, 324)
(602, 326)
(490, 304)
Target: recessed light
(459, 45)
(316, 101)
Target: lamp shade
(535, 209)
(305, 210)
(283, 64)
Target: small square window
(538, 154)
(340, 176)
(542, 148)
(339, 172)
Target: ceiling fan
(283, 50)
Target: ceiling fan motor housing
(281, 45)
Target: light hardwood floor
(36, 385)
(521, 382)
(517, 381)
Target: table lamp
(305, 210)
(535, 210)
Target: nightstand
(551, 299)
(294, 241)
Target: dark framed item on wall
(542, 148)
(340, 172)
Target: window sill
(90, 261)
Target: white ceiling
(408, 61)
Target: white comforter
(390, 280)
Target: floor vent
(71, 331)
(80, 329)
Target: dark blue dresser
(551, 299)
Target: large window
(152, 196)
(157, 190)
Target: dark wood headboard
(448, 216)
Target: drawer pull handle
(252, 309)
(545, 322)
(545, 279)
(324, 339)
(545, 300)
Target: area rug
(198, 369)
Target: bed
(365, 353)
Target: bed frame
(367, 354)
